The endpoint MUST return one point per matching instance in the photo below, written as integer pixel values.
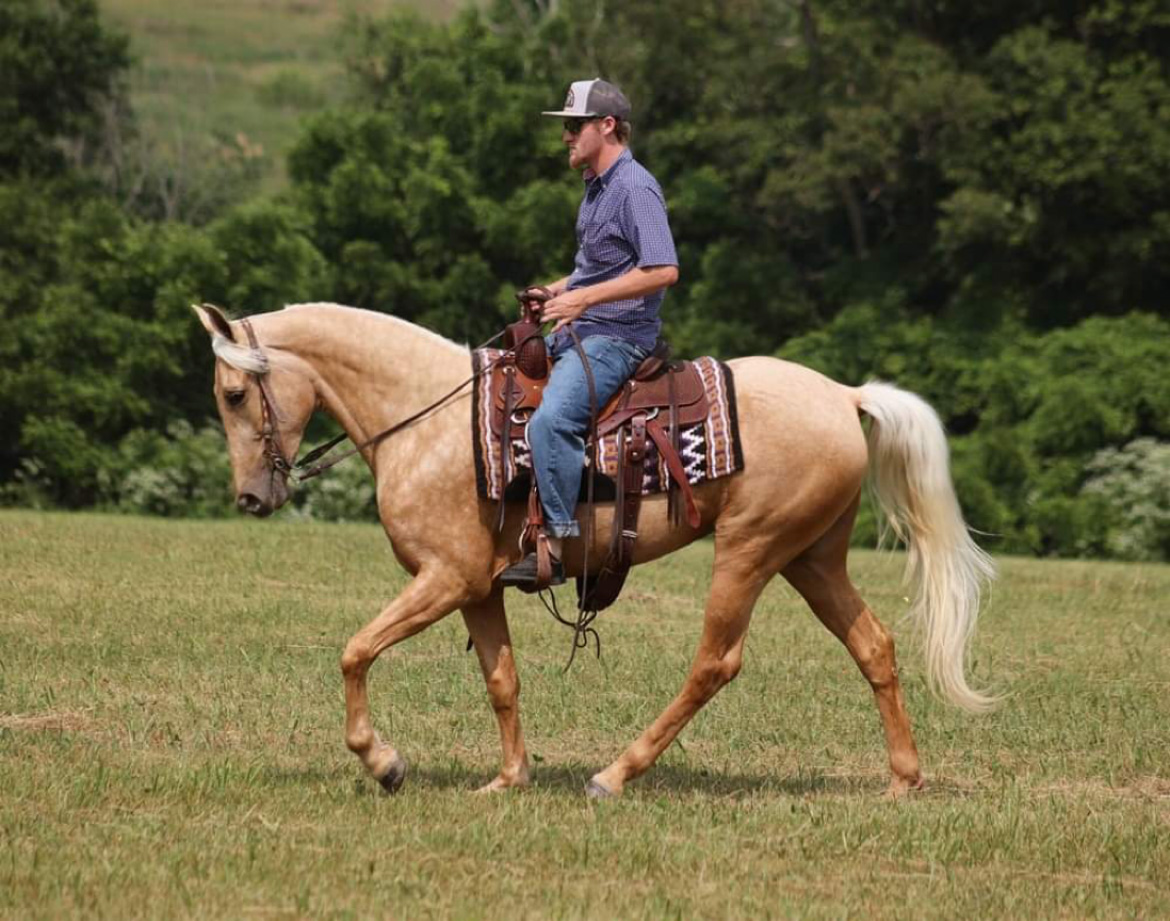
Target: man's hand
(540, 292)
(532, 299)
(566, 307)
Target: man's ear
(214, 321)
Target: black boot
(523, 574)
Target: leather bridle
(278, 462)
(274, 455)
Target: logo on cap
(570, 100)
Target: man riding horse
(625, 262)
(788, 509)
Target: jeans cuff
(562, 529)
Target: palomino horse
(790, 511)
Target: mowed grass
(243, 71)
(171, 745)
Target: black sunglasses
(576, 125)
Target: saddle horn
(524, 339)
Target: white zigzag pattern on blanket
(693, 452)
(696, 442)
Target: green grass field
(171, 746)
(240, 68)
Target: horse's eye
(235, 397)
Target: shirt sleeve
(647, 228)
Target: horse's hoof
(501, 784)
(392, 780)
(596, 790)
(901, 788)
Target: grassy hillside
(246, 71)
(171, 746)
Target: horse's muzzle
(253, 505)
(262, 493)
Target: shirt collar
(607, 177)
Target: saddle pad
(708, 449)
(690, 392)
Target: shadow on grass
(666, 780)
(570, 780)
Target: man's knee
(552, 421)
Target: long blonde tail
(910, 476)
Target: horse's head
(265, 399)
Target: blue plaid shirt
(621, 224)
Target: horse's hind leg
(821, 577)
(488, 626)
(740, 576)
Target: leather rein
(306, 468)
(310, 465)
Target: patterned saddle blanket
(709, 446)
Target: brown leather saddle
(650, 391)
(656, 403)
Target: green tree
(439, 191)
(1134, 483)
(1027, 413)
(59, 66)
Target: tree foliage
(58, 67)
(1031, 416)
(972, 201)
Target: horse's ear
(214, 321)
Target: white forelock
(239, 356)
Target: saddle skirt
(708, 440)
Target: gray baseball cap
(594, 99)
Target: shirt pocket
(606, 242)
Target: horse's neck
(372, 370)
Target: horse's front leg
(428, 598)
(488, 626)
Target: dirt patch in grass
(1141, 788)
(51, 721)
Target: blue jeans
(558, 428)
